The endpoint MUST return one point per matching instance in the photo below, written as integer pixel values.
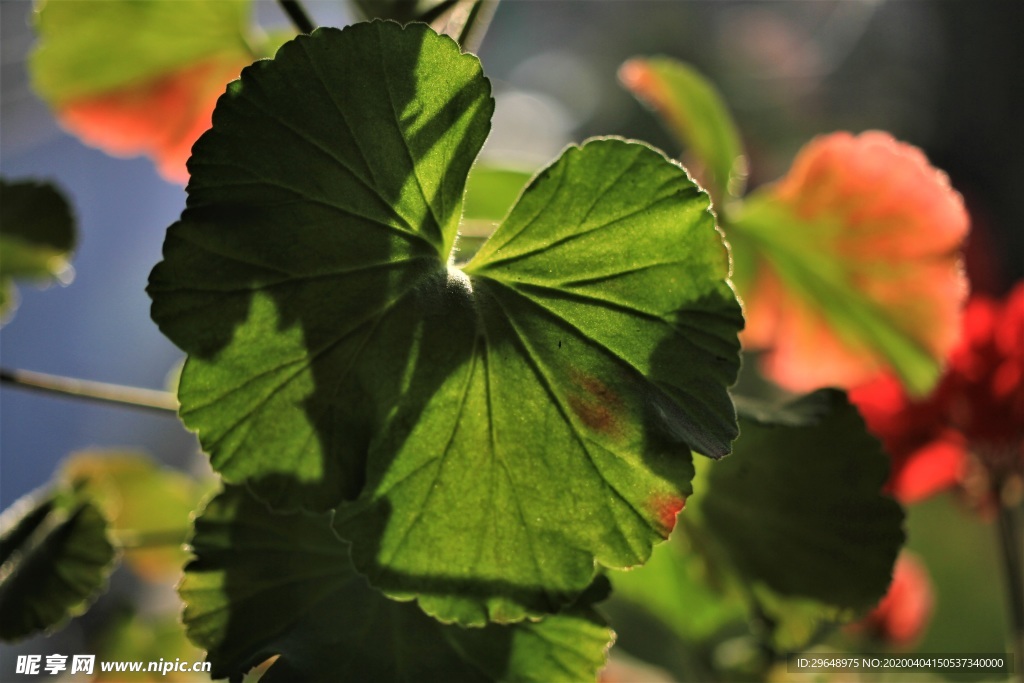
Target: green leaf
(684, 587)
(144, 503)
(265, 584)
(799, 508)
(37, 237)
(696, 114)
(131, 636)
(487, 432)
(56, 561)
(491, 191)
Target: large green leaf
(56, 560)
(798, 506)
(265, 584)
(37, 236)
(696, 114)
(489, 431)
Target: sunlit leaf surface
(485, 432)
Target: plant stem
(477, 24)
(1011, 541)
(147, 399)
(298, 15)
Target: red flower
(973, 422)
(902, 615)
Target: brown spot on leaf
(597, 405)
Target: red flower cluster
(972, 423)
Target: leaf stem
(1011, 542)
(298, 15)
(146, 399)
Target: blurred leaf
(133, 637)
(335, 359)
(57, 562)
(37, 237)
(799, 508)
(491, 191)
(789, 536)
(264, 584)
(143, 501)
(792, 623)
(695, 113)
(850, 265)
(684, 587)
(135, 77)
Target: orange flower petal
(885, 227)
(160, 118)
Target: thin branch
(476, 26)
(147, 399)
(298, 15)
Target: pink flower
(860, 258)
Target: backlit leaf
(695, 113)
(265, 584)
(56, 561)
(37, 237)
(136, 77)
(488, 431)
(850, 265)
